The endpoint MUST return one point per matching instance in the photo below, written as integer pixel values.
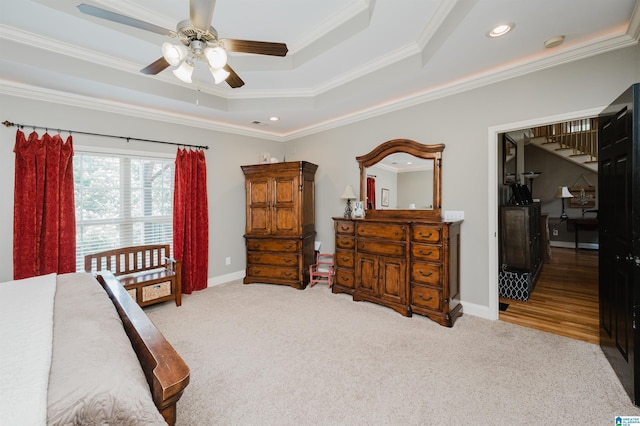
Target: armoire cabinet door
(285, 208)
(258, 206)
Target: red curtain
(371, 193)
(44, 223)
(191, 219)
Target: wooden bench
(147, 272)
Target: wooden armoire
(280, 230)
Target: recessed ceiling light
(500, 30)
(274, 118)
(553, 41)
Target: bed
(76, 349)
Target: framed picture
(384, 198)
(584, 197)
(265, 158)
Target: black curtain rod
(22, 126)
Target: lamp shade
(563, 192)
(174, 53)
(184, 71)
(348, 193)
(219, 75)
(216, 56)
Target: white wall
(225, 181)
(461, 121)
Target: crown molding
(53, 96)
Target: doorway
(551, 273)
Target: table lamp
(348, 195)
(563, 192)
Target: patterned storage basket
(515, 285)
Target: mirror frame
(416, 149)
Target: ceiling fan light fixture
(219, 75)
(184, 71)
(216, 56)
(174, 53)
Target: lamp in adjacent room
(348, 195)
(563, 192)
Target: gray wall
(225, 181)
(460, 121)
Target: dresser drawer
(272, 245)
(426, 297)
(345, 259)
(268, 271)
(345, 242)
(345, 227)
(267, 258)
(384, 231)
(431, 253)
(381, 247)
(426, 233)
(345, 278)
(425, 273)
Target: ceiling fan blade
(201, 13)
(121, 19)
(155, 67)
(233, 80)
(257, 47)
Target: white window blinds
(121, 200)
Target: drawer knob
(428, 274)
(288, 260)
(287, 274)
(426, 299)
(288, 246)
(426, 236)
(257, 258)
(426, 254)
(257, 246)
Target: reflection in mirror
(509, 160)
(402, 178)
(408, 179)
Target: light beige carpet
(272, 355)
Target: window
(121, 200)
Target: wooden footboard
(166, 372)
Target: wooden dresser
(280, 229)
(411, 266)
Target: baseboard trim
(476, 310)
(567, 244)
(223, 279)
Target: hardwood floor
(565, 298)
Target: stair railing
(581, 136)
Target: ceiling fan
(198, 41)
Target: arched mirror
(402, 178)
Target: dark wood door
(619, 218)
